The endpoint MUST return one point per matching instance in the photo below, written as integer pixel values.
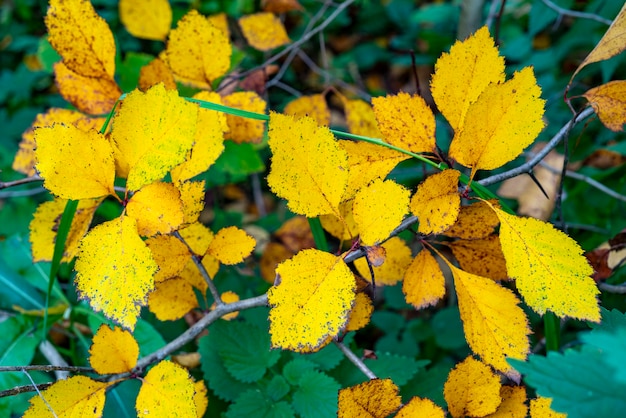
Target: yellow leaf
(198, 52)
(152, 133)
(482, 257)
(611, 44)
(193, 276)
(220, 21)
(75, 164)
(406, 121)
(208, 143)
(245, 129)
(437, 202)
(263, 31)
(472, 389)
(170, 254)
(198, 237)
(378, 209)
(115, 270)
(146, 19)
(192, 197)
(375, 398)
(81, 37)
(309, 169)
(540, 408)
(200, 398)
(46, 220)
(495, 326)
(92, 95)
(24, 161)
(462, 75)
(361, 120)
(504, 120)
(609, 103)
(549, 269)
(172, 299)
(312, 301)
(513, 403)
(361, 312)
(419, 407)
(228, 297)
(342, 227)
(113, 351)
(392, 270)
(157, 208)
(475, 221)
(231, 245)
(273, 254)
(424, 284)
(166, 391)
(367, 162)
(154, 73)
(74, 397)
(313, 106)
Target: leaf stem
(318, 234)
(551, 329)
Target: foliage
(139, 250)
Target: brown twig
(25, 180)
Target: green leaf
(277, 388)
(389, 322)
(328, 357)
(448, 329)
(611, 321)
(400, 369)
(429, 383)
(253, 403)
(244, 349)
(294, 370)
(577, 382)
(316, 395)
(613, 347)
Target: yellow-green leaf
(115, 270)
(464, 73)
(75, 164)
(437, 202)
(312, 301)
(231, 245)
(397, 260)
(308, 168)
(424, 284)
(472, 389)
(76, 396)
(406, 121)
(167, 391)
(379, 208)
(420, 407)
(146, 19)
(113, 351)
(152, 133)
(157, 208)
(263, 31)
(504, 120)
(172, 299)
(375, 398)
(549, 269)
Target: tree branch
(25, 180)
(47, 368)
(573, 13)
(355, 360)
(25, 389)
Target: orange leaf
(280, 6)
(273, 255)
(172, 299)
(167, 390)
(231, 245)
(263, 31)
(146, 19)
(113, 351)
(228, 297)
(154, 73)
(418, 407)
(482, 257)
(396, 262)
(81, 37)
(245, 129)
(296, 234)
(472, 389)
(424, 284)
(361, 312)
(200, 398)
(406, 121)
(475, 221)
(609, 103)
(437, 202)
(313, 106)
(375, 398)
(513, 403)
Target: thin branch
(574, 13)
(25, 180)
(612, 288)
(25, 389)
(524, 168)
(39, 393)
(47, 368)
(355, 360)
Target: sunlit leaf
(220, 21)
(198, 237)
(420, 407)
(375, 398)
(200, 398)
(146, 19)
(157, 208)
(406, 121)
(75, 396)
(263, 31)
(309, 169)
(423, 284)
(462, 75)
(397, 260)
(113, 351)
(242, 129)
(75, 164)
(154, 73)
(361, 312)
(312, 301)
(513, 403)
(342, 227)
(115, 270)
(170, 254)
(81, 37)
(540, 408)
(361, 119)
(192, 196)
(228, 297)
(472, 389)
(549, 269)
(231, 245)
(609, 103)
(378, 209)
(437, 202)
(313, 106)
(167, 390)
(482, 257)
(152, 133)
(172, 299)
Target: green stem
(551, 329)
(318, 234)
